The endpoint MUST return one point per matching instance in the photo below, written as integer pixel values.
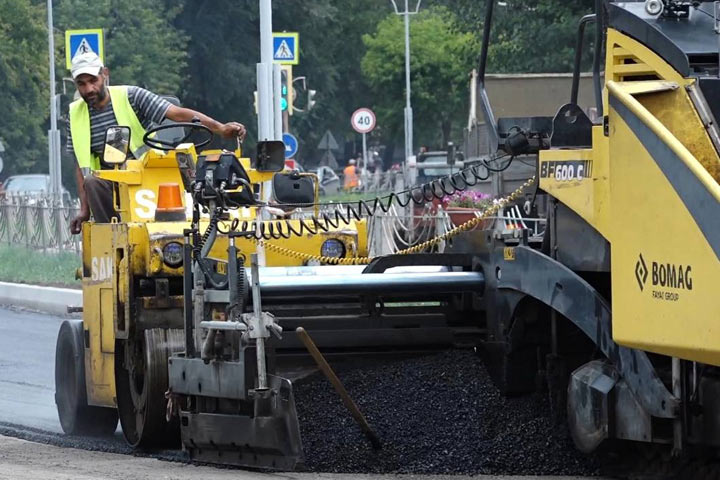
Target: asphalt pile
(437, 414)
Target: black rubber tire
(76, 416)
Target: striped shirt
(149, 108)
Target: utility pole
(268, 99)
(53, 133)
(408, 107)
(268, 80)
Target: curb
(45, 299)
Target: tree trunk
(446, 130)
(390, 144)
(387, 159)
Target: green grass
(24, 265)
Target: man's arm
(151, 108)
(227, 130)
(84, 216)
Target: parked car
(33, 186)
(433, 165)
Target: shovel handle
(338, 386)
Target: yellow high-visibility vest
(80, 127)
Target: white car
(433, 166)
(32, 186)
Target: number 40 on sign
(363, 120)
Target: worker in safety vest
(103, 106)
(350, 175)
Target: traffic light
(311, 99)
(286, 89)
(283, 91)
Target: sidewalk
(45, 299)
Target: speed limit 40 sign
(363, 120)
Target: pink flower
(468, 199)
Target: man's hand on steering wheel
(227, 130)
(153, 142)
(232, 130)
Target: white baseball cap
(86, 63)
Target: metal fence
(398, 230)
(38, 222)
(381, 182)
(395, 231)
(373, 182)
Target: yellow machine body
(649, 185)
(115, 254)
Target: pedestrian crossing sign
(83, 41)
(286, 48)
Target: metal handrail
(38, 222)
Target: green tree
(224, 49)
(528, 36)
(25, 101)
(331, 52)
(439, 64)
(141, 45)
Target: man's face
(91, 88)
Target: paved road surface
(21, 460)
(27, 369)
(27, 410)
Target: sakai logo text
(667, 279)
(101, 268)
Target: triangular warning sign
(84, 47)
(328, 142)
(284, 52)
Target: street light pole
(268, 80)
(408, 107)
(269, 115)
(53, 133)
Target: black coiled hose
(243, 283)
(214, 220)
(343, 213)
(197, 250)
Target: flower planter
(461, 215)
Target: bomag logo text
(667, 279)
(671, 276)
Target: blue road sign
(291, 145)
(286, 48)
(83, 41)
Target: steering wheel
(166, 146)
